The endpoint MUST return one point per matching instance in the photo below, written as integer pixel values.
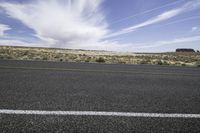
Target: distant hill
(185, 50)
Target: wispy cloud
(189, 6)
(147, 11)
(61, 23)
(3, 28)
(195, 29)
(8, 42)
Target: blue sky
(128, 25)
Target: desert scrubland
(69, 55)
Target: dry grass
(67, 55)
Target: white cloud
(189, 6)
(195, 29)
(61, 23)
(19, 43)
(3, 28)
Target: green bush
(100, 60)
(165, 63)
(37, 58)
(122, 62)
(183, 64)
(88, 59)
(144, 61)
(160, 62)
(44, 58)
(166, 58)
(25, 53)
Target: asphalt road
(56, 86)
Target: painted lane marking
(98, 113)
(99, 71)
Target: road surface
(81, 97)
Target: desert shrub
(2, 57)
(82, 55)
(198, 63)
(122, 62)
(37, 58)
(25, 53)
(88, 59)
(144, 61)
(160, 62)
(187, 61)
(166, 58)
(6, 56)
(73, 57)
(183, 64)
(44, 58)
(165, 63)
(100, 60)
(57, 56)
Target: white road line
(97, 113)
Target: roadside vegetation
(67, 55)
